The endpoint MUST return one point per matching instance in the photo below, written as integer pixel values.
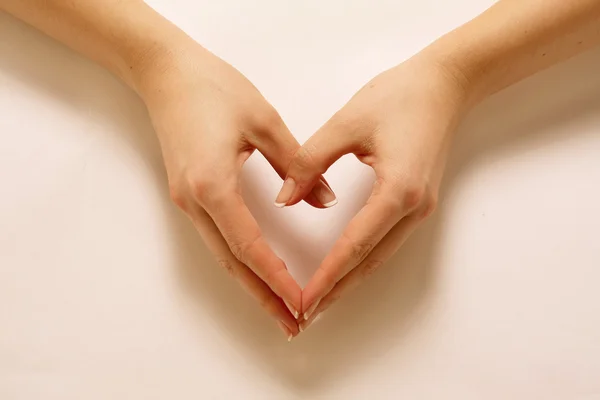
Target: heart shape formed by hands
(401, 125)
(210, 120)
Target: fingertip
(288, 333)
(293, 305)
(311, 309)
(312, 200)
(324, 194)
(293, 310)
(322, 282)
(310, 300)
(285, 194)
(284, 317)
(331, 203)
(293, 328)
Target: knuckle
(392, 203)
(430, 205)
(227, 266)
(358, 250)
(201, 187)
(177, 195)
(414, 195)
(304, 158)
(388, 194)
(239, 251)
(370, 267)
(242, 249)
(361, 249)
(208, 190)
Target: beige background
(106, 291)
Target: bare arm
(517, 38)
(208, 118)
(402, 124)
(124, 36)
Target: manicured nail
(285, 330)
(286, 192)
(324, 194)
(311, 310)
(290, 307)
(305, 324)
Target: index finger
(243, 235)
(380, 254)
(384, 209)
(255, 286)
(279, 146)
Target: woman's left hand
(400, 124)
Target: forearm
(515, 39)
(125, 36)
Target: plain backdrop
(107, 292)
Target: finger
(242, 233)
(313, 158)
(278, 145)
(380, 254)
(384, 209)
(251, 283)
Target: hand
(209, 119)
(401, 125)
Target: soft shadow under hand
(378, 315)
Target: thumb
(310, 161)
(277, 144)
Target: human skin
(402, 124)
(209, 119)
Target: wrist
(464, 70)
(152, 63)
(149, 48)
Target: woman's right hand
(209, 119)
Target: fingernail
(290, 307)
(285, 331)
(324, 194)
(311, 310)
(305, 324)
(286, 192)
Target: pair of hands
(209, 119)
